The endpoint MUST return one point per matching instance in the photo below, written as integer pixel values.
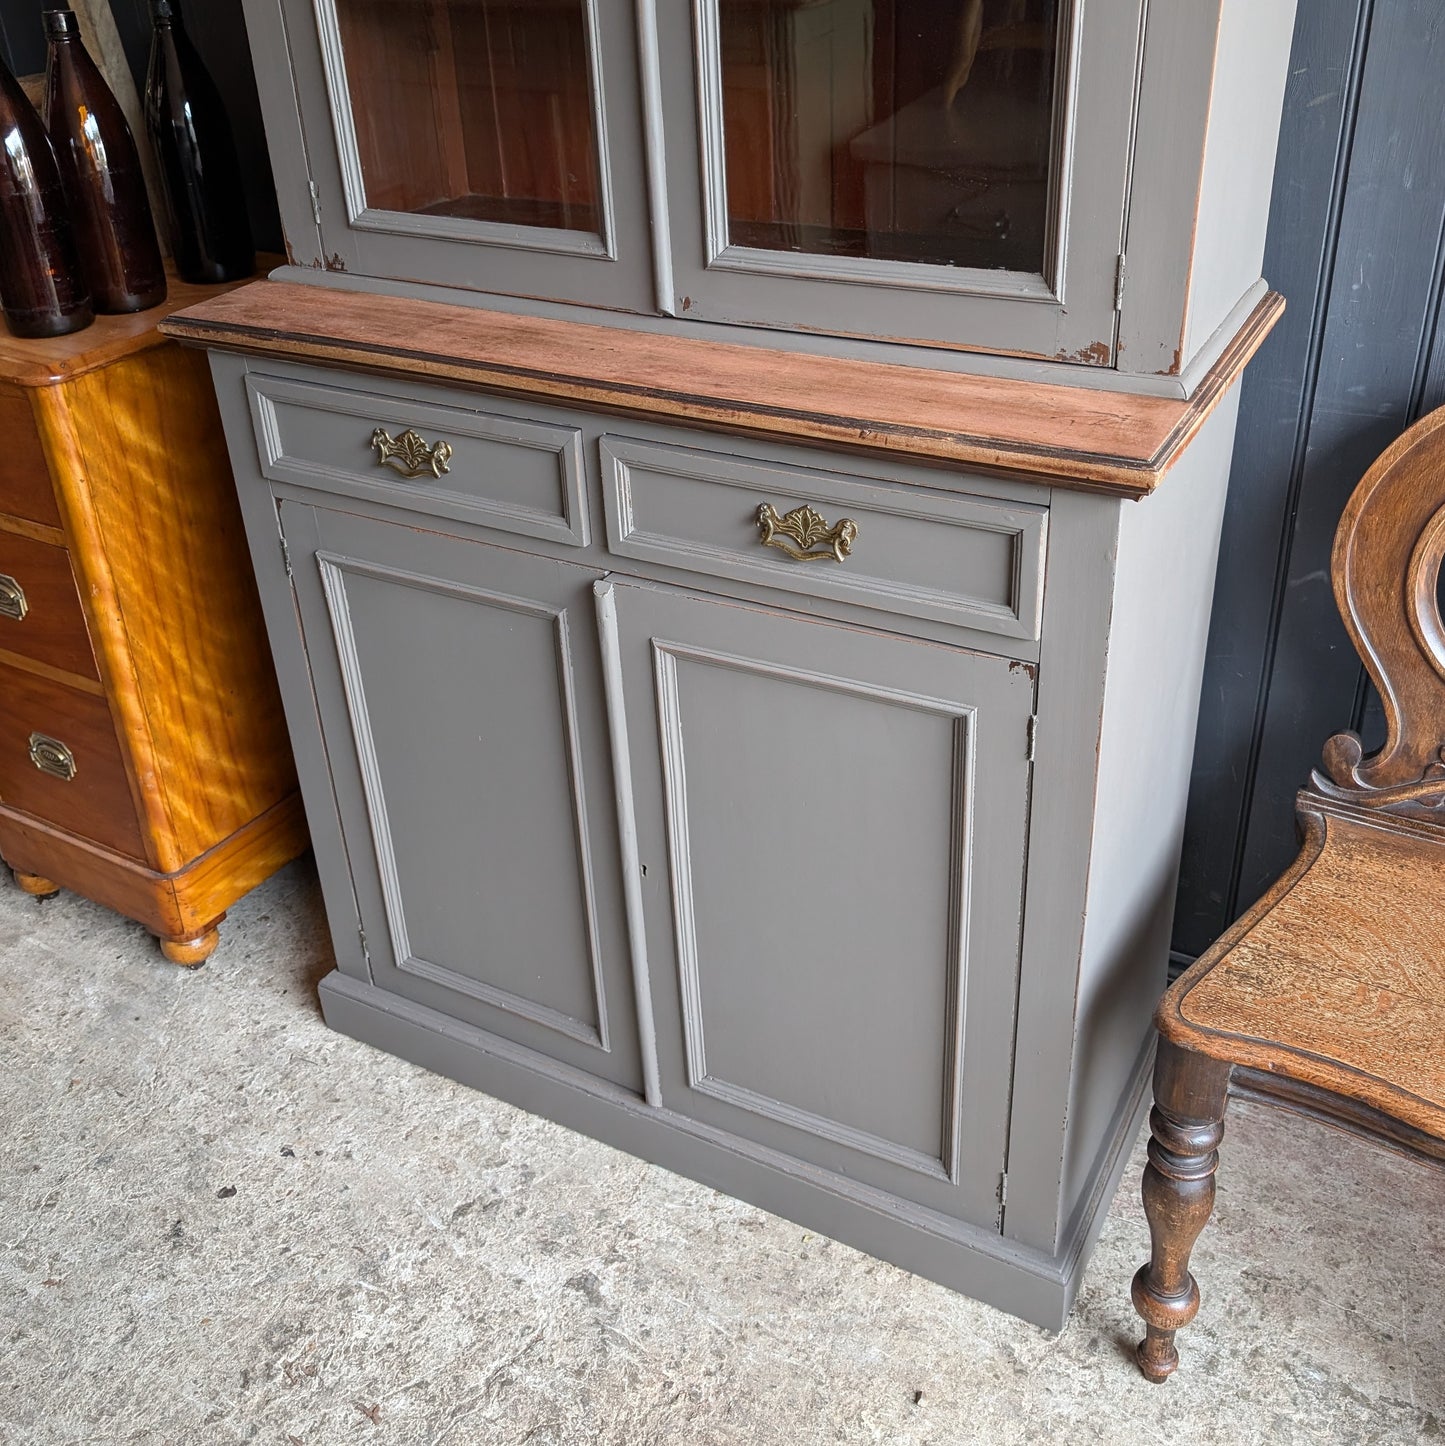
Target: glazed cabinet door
(458, 691)
(830, 828)
(488, 144)
(947, 171)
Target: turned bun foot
(35, 885)
(191, 953)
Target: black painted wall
(219, 33)
(1357, 245)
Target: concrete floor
(221, 1222)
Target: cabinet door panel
(831, 838)
(488, 144)
(460, 702)
(949, 171)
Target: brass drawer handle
(12, 598)
(410, 454)
(808, 531)
(51, 756)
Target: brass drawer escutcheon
(51, 756)
(12, 598)
(411, 454)
(802, 532)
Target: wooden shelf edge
(1117, 443)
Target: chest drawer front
(25, 489)
(965, 560)
(405, 448)
(48, 731)
(40, 612)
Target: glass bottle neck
(61, 26)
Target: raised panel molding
(944, 1166)
(333, 572)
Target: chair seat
(1335, 977)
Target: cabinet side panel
(1168, 547)
(160, 486)
(1234, 191)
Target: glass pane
(474, 108)
(904, 130)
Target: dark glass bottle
(209, 230)
(119, 256)
(41, 288)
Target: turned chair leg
(1187, 1124)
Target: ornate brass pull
(411, 454)
(12, 598)
(51, 756)
(808, 531)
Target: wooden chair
(1336, 978)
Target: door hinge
(1119, 266)
(1033, 733)
(365, 952)
(285, 554)
(1002, 1188)
(316, 202)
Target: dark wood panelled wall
(219, 32)
(1357, 244)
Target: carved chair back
(1386, 571)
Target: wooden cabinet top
(45, 361)
(1060, 435)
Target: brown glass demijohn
(205, 195)
(119, 255)
(41, 289)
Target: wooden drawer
(966, 560)
(491, 470)
(96, 802)
(25, 489)
(40, 610)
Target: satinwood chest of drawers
(143, 756)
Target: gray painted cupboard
(735, 489)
